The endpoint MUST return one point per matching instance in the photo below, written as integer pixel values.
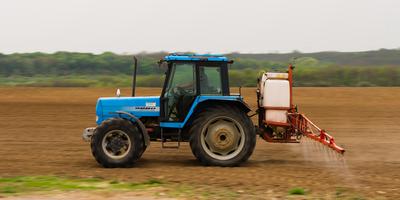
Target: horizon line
(233, 52)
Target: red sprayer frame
(303, 125)
(298, 125)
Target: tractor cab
(188, 77)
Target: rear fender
(202, 102)
(233, 103)
(237, 103)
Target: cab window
(210, 80)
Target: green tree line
(371, 68)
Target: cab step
(166, 143)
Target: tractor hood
(138, 106)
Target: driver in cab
(190, 86)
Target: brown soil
(41, 135)
(86, 195)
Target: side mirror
(118, 93)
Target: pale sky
(205, 26)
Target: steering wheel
(180, 91)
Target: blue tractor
(195, 106)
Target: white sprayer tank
(275, 96)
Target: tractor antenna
(134, 75)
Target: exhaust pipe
(134, 76)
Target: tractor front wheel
(222, 136)
(117, 143)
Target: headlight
(97, 118)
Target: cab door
(179, 91)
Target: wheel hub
(116, 144)
(222, 137)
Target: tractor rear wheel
(117, 143)
(222, 136)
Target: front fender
(134, 119)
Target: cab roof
(196, 57)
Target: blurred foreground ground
(41, 135)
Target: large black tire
(123, 128)
(213, 122)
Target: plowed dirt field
(40, 134)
